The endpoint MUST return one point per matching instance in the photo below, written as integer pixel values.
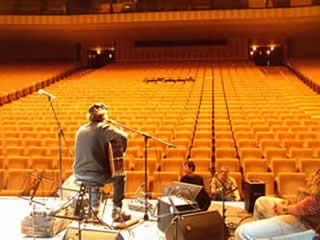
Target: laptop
(185, 190)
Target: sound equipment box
(196, 226)
(91, 232)
(253, 189)
(171, 206)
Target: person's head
(315, 187)
(224, 173)
(97, 112)
(189, 167)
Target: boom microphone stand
(60, 137)
(146, 137)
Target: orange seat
(309, 166)
(201, 153)
(225, 153)
(232, 164)
(134, 180)
(282, 165)
(17, 182)
(254, 165)
(288, 183)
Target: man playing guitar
(99, 151)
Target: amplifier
(253, 190)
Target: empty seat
(225, 153)
(202, 165)
(293, 144)
(247, 143)
(172, 165)
(282, 165)
(288, 183)
(18, 162)
(176, 153)
(199, 143)
(269, 143)
(267, 135)
(18, 182)
(272, 153)
(232, 164)
(139, 165)
(250, 153)
(44, 162)
(254, 165)
(244, 135)
(300, 153)
(134, 180)
(201, 153)
(223, 135)
(224, 143)
(309, 166)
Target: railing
(69, 7)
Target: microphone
(44, 93)
(112, 121)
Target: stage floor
(13, 210)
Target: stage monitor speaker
(91, 232)
(199, 226)
(253, 190)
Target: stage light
(251, 53)
(272, 47)
(268, 52)
(254, 47)
(98, 51)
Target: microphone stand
(60, 136)
(146, 137)
(223, 206)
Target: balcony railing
(71, 7)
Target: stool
(93, 200)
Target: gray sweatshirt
(91, 162)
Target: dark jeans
(118, 191)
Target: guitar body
(116, 159)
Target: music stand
(146, 137)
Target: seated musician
(277, 219)
(97, 147)
(224, 187)
(189, 176)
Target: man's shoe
(120, 216)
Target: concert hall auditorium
(160, 119)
